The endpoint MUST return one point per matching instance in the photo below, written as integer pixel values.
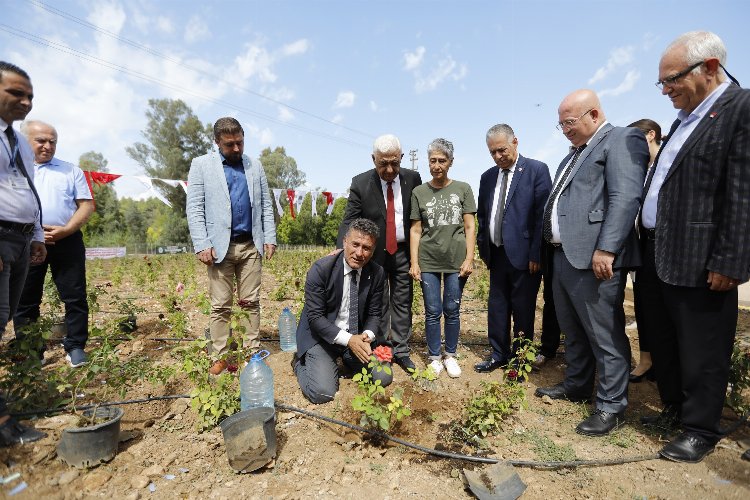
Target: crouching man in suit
(343, 301)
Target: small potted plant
(95, 437)
(127, 310)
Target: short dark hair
(364, 226)
(227, 125)
(12, 68)
(645, 125)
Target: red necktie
(390, 222)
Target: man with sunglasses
(588, 220)
(695, 236)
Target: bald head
(580, 115)
(43, 139)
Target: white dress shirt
(342, 320)
(17, 201)
(398, 204)
(688, 122)
(497, 196)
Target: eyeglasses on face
(671, 80)
(572, 121)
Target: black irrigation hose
(88, 407)
(430, 451)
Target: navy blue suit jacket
(524, 210)
(323, 293)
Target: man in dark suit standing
(589, 220)
(343, 295)
(696, 241)
(510, 208)
(383, 195)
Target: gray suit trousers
(590, 313)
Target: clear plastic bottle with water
(256, 383)
(288, 331)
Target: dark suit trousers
(550, 326)
(397, 298)
(692, 334)
(512, 294)
(67, 261)
(590, 312)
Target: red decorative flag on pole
(290, 199)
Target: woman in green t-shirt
(442, 248)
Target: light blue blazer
(209, 210)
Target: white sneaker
(437, 366)
(451, 366)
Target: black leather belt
(18, 227)
(556, 245)
(242, 238)
(649, 233)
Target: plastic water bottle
(288, 331)
(256, 383)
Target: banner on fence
(105, 252)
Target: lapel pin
(713, 114)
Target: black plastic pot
(250, 438)
(128, 324)
(84, 447)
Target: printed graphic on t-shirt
(444, 211)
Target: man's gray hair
(699, 46)
(501, 128)
(364, 226)
(27, 124)
(441, 145)
(386, 143)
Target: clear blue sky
(418, 69)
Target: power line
(110, 65)
(145, 48)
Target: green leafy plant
(425, 379)
(739, 380)
(379, 411)
(485, 413)
(522, 363)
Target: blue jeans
(448, 306)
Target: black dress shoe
(406, 363)
(558, 392)
(648, 375)
(687, 448)
(667, 420)
(600, 423)
(488, 365)
(12, 432)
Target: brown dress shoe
(218, 367)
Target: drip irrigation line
(537, 464)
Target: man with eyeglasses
(588, 220)
(383, 195)
(695, 236)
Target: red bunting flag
(290, 199)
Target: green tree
(105, 226)
(174, 136)
(281, 170)
(330, 230)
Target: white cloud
(412, 60)
(262, 136)
(552, 151)
(196, 30)
(338, 118)
(285, 115)
(295, 48)
(631, 77)
(345, 99)
(373, 106)
(445, 68)
(618, 57)
(164, 24)
(255, 62)
(107, 15)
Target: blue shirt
(239, 195)
(688, 122)
(59, 185)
